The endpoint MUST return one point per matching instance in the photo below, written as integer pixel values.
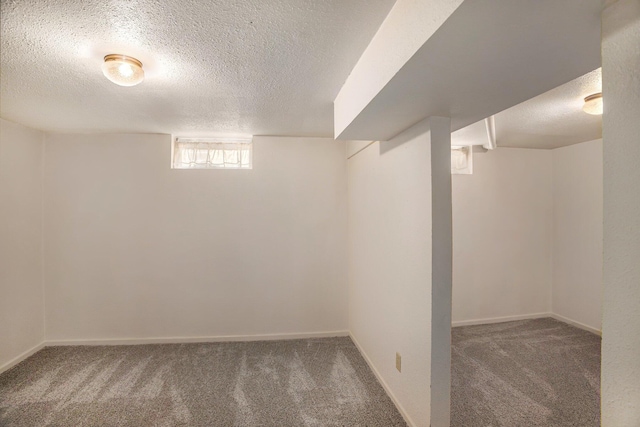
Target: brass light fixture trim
(123, 70)
(593, 104)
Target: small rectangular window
(461, 160)
(212, 153)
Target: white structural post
(442, 271)
(621, 268)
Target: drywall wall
(21, 293)
(502, 236)
(134, 249)
(354, 147)
(621, 267)
(390, 266)
(577, 233)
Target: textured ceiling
(551, 120)
(487, 56)
(263, 67)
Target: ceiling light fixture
(593, 104)
(123, 70)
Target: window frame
(176, 140)
(467, 150)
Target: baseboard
(500, 319)
(381, 380)
(186, 340)
(576, 323)
(13, 362)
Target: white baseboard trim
(13, 362)
(576, 324)
(500, 319)
(525, 317)
(186, 340)
(381, 380)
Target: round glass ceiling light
(593, 104)
(123, 70)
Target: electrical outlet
(398, 362)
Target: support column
(441, 273)
(621, 268)
(400, 267)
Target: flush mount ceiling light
(593, 104)
(123, 70)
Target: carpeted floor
(518, 374)
(314, 382)
(524, 374)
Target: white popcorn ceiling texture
(550, 120)
(263, 67)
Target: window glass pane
(461, 160)
(202, 153)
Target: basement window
(212, 153)
(461, 160)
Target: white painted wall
(354, 147)
(21, 292)
(136, 250)
(621, 140)
(390, 265)
(502, 236)
(577, 233)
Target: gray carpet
(523, 374)
(315, 382)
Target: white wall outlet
(398, 362)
